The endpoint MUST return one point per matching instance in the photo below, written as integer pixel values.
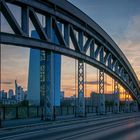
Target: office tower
(10, 94)
(36, 93)
(19, 92)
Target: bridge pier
(116, 97)
(81, 99)
(101, 97)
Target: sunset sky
(120, 19)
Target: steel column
(101, 105)
(116, 97)
(127, 102)
(42, 78)
(135, 106)
(81, 100)
(46, 84)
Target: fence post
(54, 115)
(72, 109)
(75, 111)
(16, 112)
(67, 110)
(28, 115)
(42, 113)
(37, 111)
(61, 110)
(4, 113)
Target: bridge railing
(28, 112)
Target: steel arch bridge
(84, 33)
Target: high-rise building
(37, 91)
(62, 95)
(16, 87)
(19, 92)
(10, 94)
(3, 94)
(34, 77)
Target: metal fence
(8, 113)
(24, 112)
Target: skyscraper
(35, 94)
(10, 94)
(19, 92)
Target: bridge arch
(77, 26)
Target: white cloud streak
(130, 44)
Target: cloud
(95, 83)
(130, 43)
(133, 29)
(6, 82)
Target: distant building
(109, 97)
(34, 77)
(0, 94)
(25, 95)
(69, 101)
(62, 94)
(10, 94)
(8, 101)
(36, 93)
(19, 92)
(95, 98)
(3, 94)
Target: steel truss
(42, 77)
(127, 102)
(135, 106)
(81, 100)
(116, 96)
(46, 85)
(101, 106)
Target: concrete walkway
(10, 124)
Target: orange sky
(16, 67)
